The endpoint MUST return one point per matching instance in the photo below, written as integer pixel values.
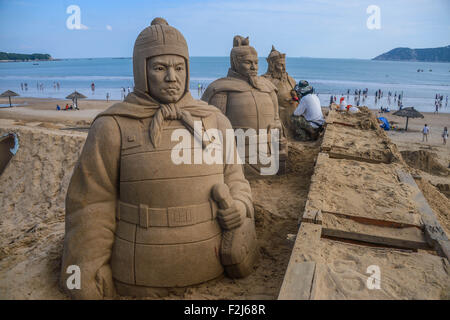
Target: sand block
(364, 119)
(371, 192)
(350, 271)
(321, 268)
(363, 145)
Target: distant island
(4, 56)
(441, 54)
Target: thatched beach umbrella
(409, 112)
(75, 96)
(9, 94)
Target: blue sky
(300, 28)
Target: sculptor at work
(137, 223)
(249, 101)
(285, 84)
(307, 120)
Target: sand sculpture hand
(231, 213)
(233, 217)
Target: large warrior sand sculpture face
(166, 76)
(247, 65)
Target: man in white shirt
(425, 132)
(307, 119)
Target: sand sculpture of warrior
(287, 98)
(249, 101)
(138, 224)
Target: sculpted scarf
(140, 105)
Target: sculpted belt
(146, 217)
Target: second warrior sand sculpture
(249, 101)
(285, 84)
(138, 224)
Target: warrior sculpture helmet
(158, 39)
(241, 47)
(275, 55)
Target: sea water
(327, 76)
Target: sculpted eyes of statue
(166, 76)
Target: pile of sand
(437, 201)
(425, 161)
(32, 193)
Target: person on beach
(342, 104)
(307, 119)
(107, 96)
(93, 87)
(138, 223)
(425, 132)
(445, 135)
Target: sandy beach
(32, 198)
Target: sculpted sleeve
(90, 211)
(233, 174)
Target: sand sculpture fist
(232, 217)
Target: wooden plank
(434, 233)
(345, 228)
(333, 153)
(299, 279)
(295, 290)
(376, 222)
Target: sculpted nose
(170, 75)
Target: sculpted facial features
(166, 76)
(247, 66)
(279, 68)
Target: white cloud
(108, 27)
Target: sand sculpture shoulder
(232, 84)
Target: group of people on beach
(426, 131)
(438, 101)
(124, 92)
(24, 86)
(200, 89)
(67, 107)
